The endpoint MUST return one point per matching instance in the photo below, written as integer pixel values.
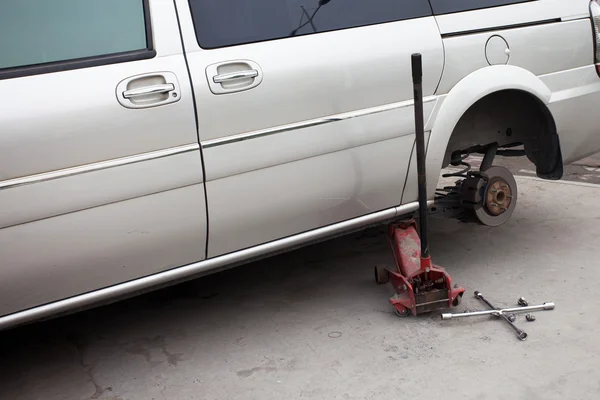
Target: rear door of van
(304, 109)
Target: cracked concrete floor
(312, 324)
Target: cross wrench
(508, 311)
(520, 333)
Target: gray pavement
(311, 324)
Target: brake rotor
(499, 197)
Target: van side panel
(94, 193)
(540, 49)
(327, 134)
(553, 39)
(60, 257)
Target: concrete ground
(312, 324)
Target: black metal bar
(488, 159)
(417, 75)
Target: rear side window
(220, 23)
(452, 6)
(36, 32)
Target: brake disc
(498, 197)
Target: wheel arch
(468, 92)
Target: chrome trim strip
(476, 31)
(198, 269)
(575, 17)
(117, 162)
(312, 122)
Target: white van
(145, 142)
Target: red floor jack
(420, 286)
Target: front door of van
(304, 109)
(100, 169)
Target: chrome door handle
(152, 89)
(148, 90)
(233, 76)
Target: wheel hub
(498, 196)
(489, 195)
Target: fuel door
(497, 51)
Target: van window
(45, 31)
(451, 6)
(230, 22)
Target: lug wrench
(541, 307)
(520, 333)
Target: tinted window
(43, 31)
(450, 6)
(228, 22)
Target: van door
(100, 171)
(304, 109)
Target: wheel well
(510, 118)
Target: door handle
(148, 90)
(234, 76)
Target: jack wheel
(402, 314)
(382, 276)
(457, 300)
(499, 196)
